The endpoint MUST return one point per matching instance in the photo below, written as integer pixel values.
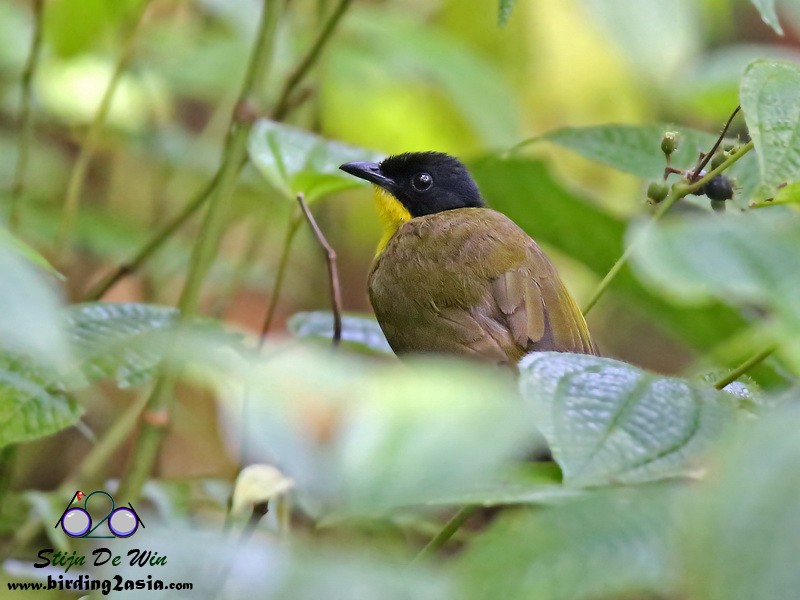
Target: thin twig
(441, 538)
(304, 66)
(333, 271)
(283, 262)
(26, 115)
(699, 168)
(745, 367)
(129, 267)
(78, 175)
(162, 398)
(677, 192)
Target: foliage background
(395, 76)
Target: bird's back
(469, 281)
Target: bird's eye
(421, 182)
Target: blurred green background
(396, 76)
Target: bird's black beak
(368, 171)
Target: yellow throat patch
(392, 214)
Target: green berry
(718, 159)
(718, 205)
(669, 143)
(657, 191)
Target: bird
(452, 276)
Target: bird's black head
(424, 182)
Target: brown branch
(698, 169)
(333, 272)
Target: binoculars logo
(77, 522)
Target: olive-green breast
(469, 281)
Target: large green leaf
(363, 437)
(743, 525)
(609, 545)
(6, 237)
(769, 95)
(525, 190)
(31, 405)
(768, 14)
(608, 422)
(115, 340)
(636, 149)
(362, 332)
(293, 160)
(752, 259)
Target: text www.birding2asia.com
(62, 570)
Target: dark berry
(719, 188)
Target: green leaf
(608, 422)
(504, 8)
(360, 332)
(768, 94)
(788, 194)
(29, 305)
(745, 260)
(742, 526)
(75, 26)
(362, 437)
(768, 14)
(609, 545)
(115, 340)
(31, 406)
(6, 237)
(636, 149)
(526, 191)
(655, 37)
(293, 160)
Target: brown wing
(470, 282)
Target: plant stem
(441, 538)
(676, 193)
(78, 175)
(333, 271)
(294, 224)
(159, 405)
(745, 367)
(302, 69)
(127, 268)
(26, 115)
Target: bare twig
(26, 115)
(301, 70)
(333, 272)
(699, 168)
(283, 262)
(441, 538)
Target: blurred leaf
(294, 161)
(636, 149)
(741, 536)
(748, 259)
(525, 190)
(6, 237)
(361, 332)
(29, 305)
(768, 14)
(360, 437)
(504, 9)
(31, 407)
(656, 37)
(609, 545)
(608, 422)
(112, 340)
(75, 26)
(769, 93)
(788, 194)
(231, 567)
